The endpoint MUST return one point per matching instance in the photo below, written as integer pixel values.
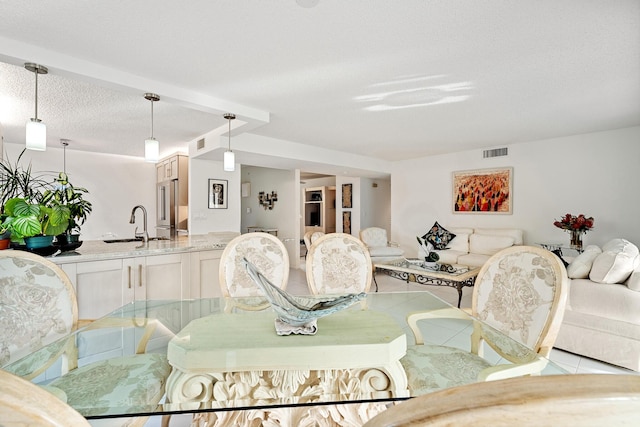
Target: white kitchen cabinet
(103, 286)
(205, 266)
(99, 286)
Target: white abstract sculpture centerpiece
(298, 315)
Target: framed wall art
(483, 191)
(218, 193)
(346, 222)
(347, 196)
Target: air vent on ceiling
(200, 144)
(496, 152)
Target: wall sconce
(267, 200)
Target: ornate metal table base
(426, 280)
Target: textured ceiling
(387, 79)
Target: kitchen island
(108, 275)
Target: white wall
(596, 174)
(203, 220)
(376, 203)
(285, 213)
(116, 184)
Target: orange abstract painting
(483, 191)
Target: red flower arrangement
(575, 223)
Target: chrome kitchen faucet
(144, 234)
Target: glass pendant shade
(36, 131)
(151, 150)
(151, 145)
(229, 161)
(36, 135)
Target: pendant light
(36, 132)
(229, 163)
(151, 145)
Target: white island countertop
(94, 250)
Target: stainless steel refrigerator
(172, 207)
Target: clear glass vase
(576, 239)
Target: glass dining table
(224, 363)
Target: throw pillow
(633, 282)
(438, 236)
(616, 262)
(581, 266)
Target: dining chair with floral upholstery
(38, 315)
(338, 263)
(521, 292)
(270, 257)
(23, 403)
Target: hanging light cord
(64, 143)
(229, 117)
(151, 119)
(36, 72)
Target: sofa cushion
(461, 230)
(473, 260)
(616, 262)
(449, 256)
(607, 300)
(438, 236)
(515, 233)
(488, 245)
(377, 251)
(460, 243)
(581, 265)
(633, 282)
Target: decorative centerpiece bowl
(298, 315)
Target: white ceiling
(387, 79)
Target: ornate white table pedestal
(239, 357)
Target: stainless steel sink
(133, 240)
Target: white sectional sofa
(474, 246)
(602, 317)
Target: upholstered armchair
(521, 292)
(379, 246)
(270, 257)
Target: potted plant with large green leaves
(66, 194)
(35, 223)
(18, 181)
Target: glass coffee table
(415, 270)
